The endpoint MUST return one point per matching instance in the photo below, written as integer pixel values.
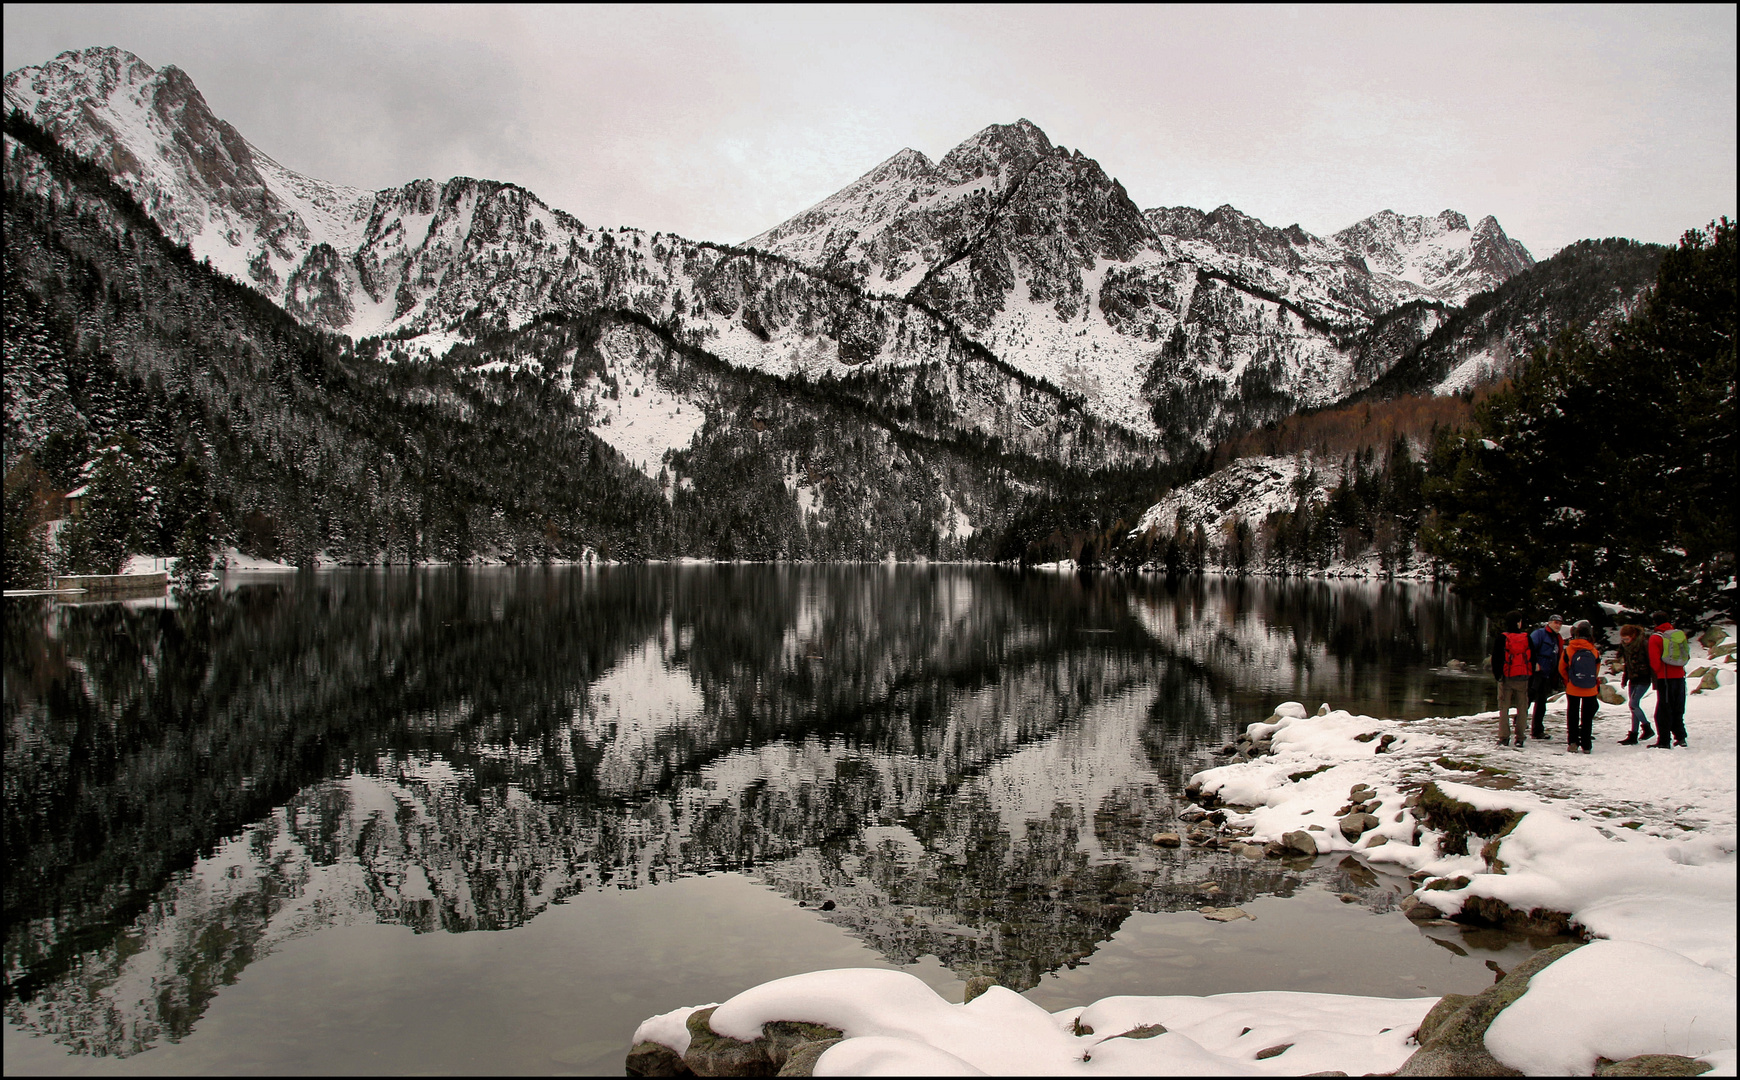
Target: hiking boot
(1629, 740)
(1504, 742)
(1648, 732)
(1680, 743)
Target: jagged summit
(902, 223)
(1002, 150)
(1440, 252)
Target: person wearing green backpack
(1669, 652)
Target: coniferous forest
(1605, 473)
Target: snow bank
(895, 1025)
(669, 1029)
(229, 558)
(1614, 999)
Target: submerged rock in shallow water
(655, 1059)
(1226, 914)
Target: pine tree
(28, 561)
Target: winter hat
(1583, 630)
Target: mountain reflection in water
(967, 761)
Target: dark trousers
(1541, 687)
(1580, 721)
(1638, 720)
(1670, 711)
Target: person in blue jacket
(1545, 644)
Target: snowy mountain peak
(909, 164)
(1439, 253)
(96, 72)
(890, 227)
(1003, 150)
(205, 184)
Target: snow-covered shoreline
(1631, 847)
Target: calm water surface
(468, 821)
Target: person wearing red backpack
(1669, 652)
(1511, 666)
(1580, 668)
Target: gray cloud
(716, 123)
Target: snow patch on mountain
(1483, 368)
(1249, 490)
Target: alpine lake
(486, 820)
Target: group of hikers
(1531, 666)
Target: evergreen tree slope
(1587, 287)
(1605, 473)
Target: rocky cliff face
(205, 184)
(1440, 255)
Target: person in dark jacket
(1580, 667)
(1545, 644)
(1636, 678)
(1670, 688)
(1512, 663)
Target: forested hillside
(1605, 474)
(1586, 288)
(191, 405)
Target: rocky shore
(1631, 850)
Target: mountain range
(1012, 290)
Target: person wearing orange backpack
(1511, 666)
(1580, 668)
(1669, 652)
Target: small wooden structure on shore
(109, 586)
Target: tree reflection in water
(968, 762)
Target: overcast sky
(716, 123)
